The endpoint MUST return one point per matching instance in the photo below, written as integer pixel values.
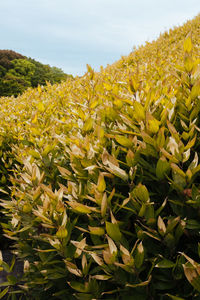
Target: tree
(18, 72)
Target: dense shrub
(105, 192)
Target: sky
(69, 34)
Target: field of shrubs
(100, 179)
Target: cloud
(70, 33)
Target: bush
(105, 200)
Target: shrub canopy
(105, 195)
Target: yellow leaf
(27, 208)
(34, 120)
(139, 112)
(153, 126)
(96, 230)
(187, 45)
(124, 141)
(62, 232)
(101, 185)
(41, 107)
(88, 125)
(34, 153)
(79, 208)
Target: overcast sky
(71, 33)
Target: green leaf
(4, 292)
(113, 231)
(162, 168)
(192, 224)
(80, 287)
(139, 257)
(12, 279)
(174, 297)
(140, 192)
(165, 263)
(144, 283)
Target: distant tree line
(18, 72)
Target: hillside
(100, 177)
(18, 72)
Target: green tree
(18, 72)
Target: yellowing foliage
(105, 181)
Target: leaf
(80, 287)
(148, 139)
(162, 168)
(195, 92)
(65, 173)
(172, 224)
(124, 141)
(4, 292)
(165, 263)
(113, 231)
(112, 247)
(97, 230)
(62, 232)
(104, 204)
(186, 155)
(117, 171)
(158, 211)
(139, 111)
(174, 297)
(140, 192)
(102, 277)
(12, 279)
(97, 258)
(139, 257)
(41, 107)
(130, 158)
(79, 207)
(187, 45)
(190, 144)
(177, 169)
(101, 185)
(173, 146)
(88, 125)
(192, 276)
(144, 283)
(34, 153)
(161, 226)
(153, 126)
